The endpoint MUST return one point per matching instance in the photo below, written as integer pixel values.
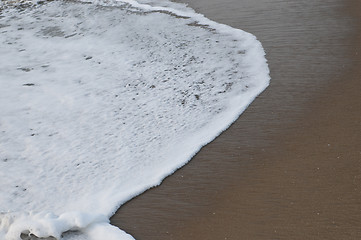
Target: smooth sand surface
(290, 167)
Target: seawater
(101, 100)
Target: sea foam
(101, 101)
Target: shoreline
(289, 167)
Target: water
(101, 101)
(244, 176)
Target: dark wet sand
(290, 166)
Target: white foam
(100, 102)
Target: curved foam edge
(96, 226)
(238, 104)
(259, 72)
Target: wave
(102, 101)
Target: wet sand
(290, 166)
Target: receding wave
(101, 101)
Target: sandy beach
(290, 166)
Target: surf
(102, 100)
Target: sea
(101, 100)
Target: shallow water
(230, 188)
(101, 102)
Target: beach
(290, 166)
(103, 100)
